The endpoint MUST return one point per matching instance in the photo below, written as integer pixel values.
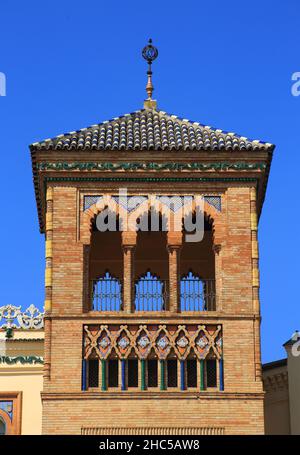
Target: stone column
(255, 284)
(162, 374)
(174, 240)
(128, 245)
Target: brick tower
(145, 331)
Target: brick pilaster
(128, 245)
(48, 282)
(255, 283)
(174, 245)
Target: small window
(150, 293)
(172, 372)
(133, 373)
(113, 373)
(152, 373)
(211, 373)
(191, 372)
(93, 373)
(2, 427)
(107, 294)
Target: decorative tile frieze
(88, 201)
(159, 340)
(182, 342)
(131, 203)
(143, 342)
(217, 166)
(214, 201)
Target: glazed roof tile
(149, 129)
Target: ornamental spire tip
(149, 53)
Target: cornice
(41, 169)
(168, 318)
(150, 166)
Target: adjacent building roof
(293, 339)
(151, 129)
(275, 364)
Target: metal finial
(149, 53)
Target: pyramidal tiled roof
(150, 129)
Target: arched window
(104, 268)
(196, 294)
(150, 293)
(197, 266)
(2, 427)
(107, 293)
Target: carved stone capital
(172, 248)
(127, 248)
(129, 239)
(174, 239)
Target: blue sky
(70, 64)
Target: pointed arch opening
(151, 266)
(106, 293)
(105, 281)
(197, 272)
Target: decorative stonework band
(133, 202)
(152, 166)
(101, 341)
(152, 431)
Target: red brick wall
(238, 415)
(239, 408)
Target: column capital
(174, 239)
(172, 248)
(129, 239)
(128, 247)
